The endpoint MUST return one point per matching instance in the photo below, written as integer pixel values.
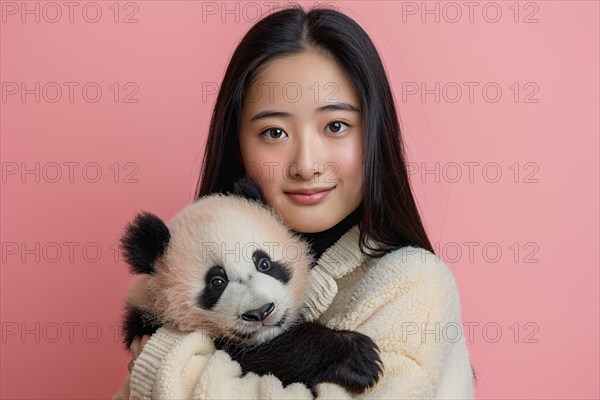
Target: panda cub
(228, 265)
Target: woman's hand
(136, 348)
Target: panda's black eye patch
(215, 282)
(259, 255)
(275, 269)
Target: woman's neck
(321, 241)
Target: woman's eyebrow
(282, 114)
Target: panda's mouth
(262, 328)
(278, 323)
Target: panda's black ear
(144, 241)
(249, 189)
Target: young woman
(305, 108)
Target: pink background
(546, 206)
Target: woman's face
(301, 129)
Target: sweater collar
(341, 258)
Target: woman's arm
(414, 318)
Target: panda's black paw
(357, 365)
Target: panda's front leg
(353, 362)
(137, 322)
(312, 353)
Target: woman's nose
(308, 159)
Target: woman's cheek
(256, 165)
(349, 167)
(267, 170)
(348, 164)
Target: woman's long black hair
(388, 211)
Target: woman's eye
(264, 265)
(277, 131)
(217, 283)
(336, 126)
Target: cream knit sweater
(406, 301)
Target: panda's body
(228, 265)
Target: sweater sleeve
(181, 365)
(413, 316)
(416, 322)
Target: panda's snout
(259, 314)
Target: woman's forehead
(307, 80)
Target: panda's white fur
(224, 230)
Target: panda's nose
(259, 314)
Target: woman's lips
(309, 199)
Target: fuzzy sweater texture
(407, 301)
